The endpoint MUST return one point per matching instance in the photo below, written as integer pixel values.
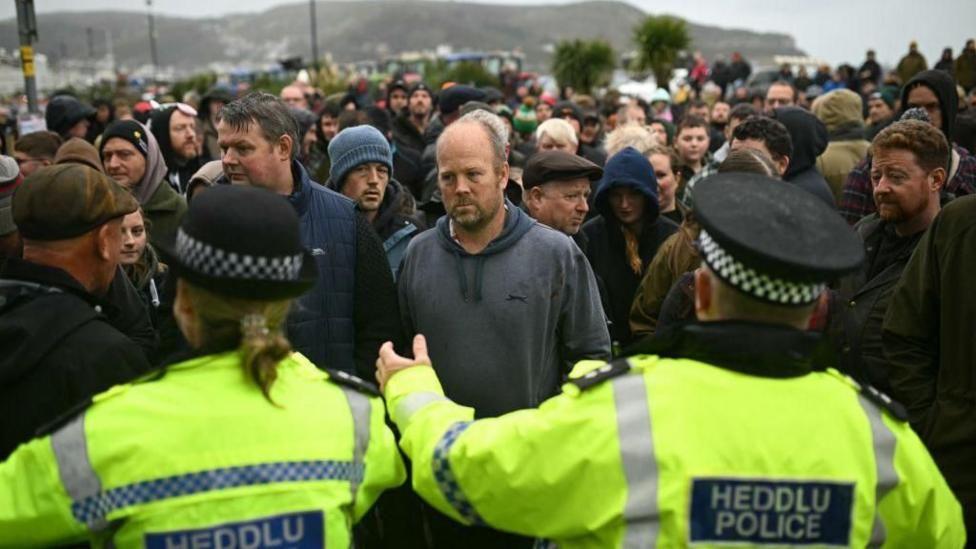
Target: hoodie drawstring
(479, 262)
(461, 276)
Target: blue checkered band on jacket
(445, 476)
(756, 284)
(94, 508)
(211, 261)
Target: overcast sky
(835, 30)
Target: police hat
(772, 240)
(241, 241)
(555, 165)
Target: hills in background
(365, 30)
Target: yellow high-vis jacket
(197, 457)
(658, 452)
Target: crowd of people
(197, 298)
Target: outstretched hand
(389, 362)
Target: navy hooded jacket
(604, 243)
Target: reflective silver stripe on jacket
(884, 463)
(412, 403)
(74, 467)
(361, 408)
(639, 462)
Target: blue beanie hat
(356, 146)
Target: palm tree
(583, 64)
(659, 40)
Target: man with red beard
(174, 127)
(907, 175)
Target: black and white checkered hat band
(217, 263)
(756, 284)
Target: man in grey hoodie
(490, 278)
(507, 304)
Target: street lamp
(315, 39)
(152, 41)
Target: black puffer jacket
(57, 350)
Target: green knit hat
(524, 120)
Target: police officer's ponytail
(262, 348)
(253, 326)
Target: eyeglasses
(182, 107)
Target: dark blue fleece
(627, 168)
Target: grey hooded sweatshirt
(503, 326)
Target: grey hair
(558, 130)
(496, 129)
(268, 112)
(630, 135)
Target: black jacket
(858, 307)
(871, 69)
(929, 344)
(406, 135)
(57, 350)
(407, 170)
(128, 314)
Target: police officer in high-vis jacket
(730, 431)
(242, 444)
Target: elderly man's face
(561, 205)
(548, 143)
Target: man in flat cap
(556, 189)
(730, 432)
(57, 347)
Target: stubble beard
(475, 221)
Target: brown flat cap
(79, 151)
(68, 200)
(549, 166)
